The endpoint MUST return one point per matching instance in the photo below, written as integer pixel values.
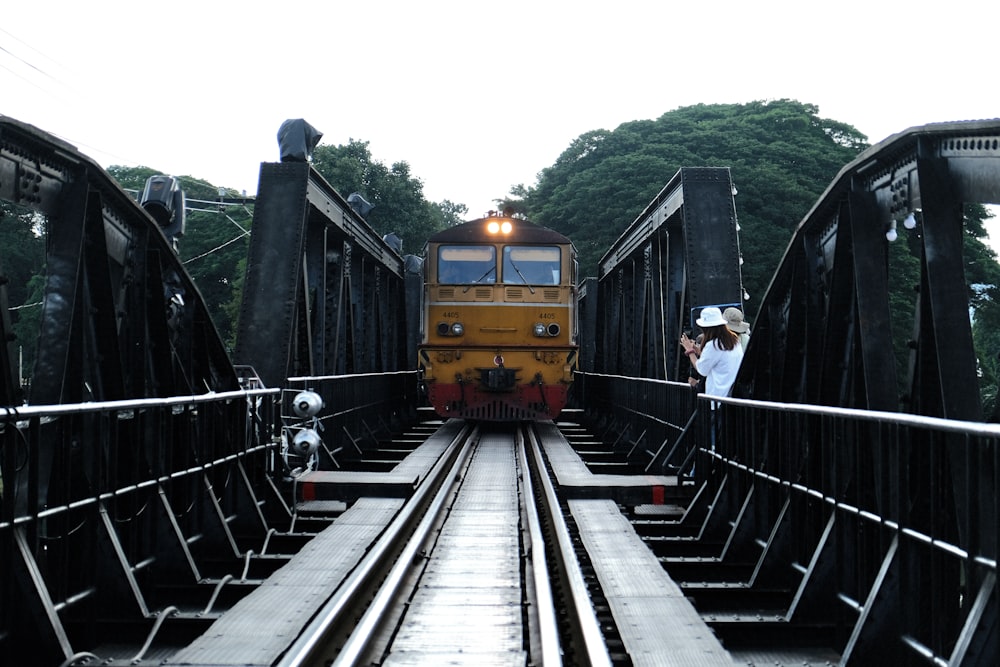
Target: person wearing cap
(736, 323)
(720, 355)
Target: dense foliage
(215, 242)
(982, 274)
(22, 258)
(781, 155)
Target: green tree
(982, 276)
(782, 157)
(27, 322)
(132, 179)
(22, 268)
(781, 154)
(451, 213)
(982, 273)
(214, 250)
(22, 240)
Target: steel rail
(398, 545)
(545, 609)
(580, 612)
(354, 648)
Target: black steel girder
(324, 294)
(822, 334)
(680, 255)
(121, 318)
(10, 390)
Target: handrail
(902, 418)
(25, 411)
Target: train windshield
(467, 264)
(533, 265)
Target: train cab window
(532, 265)
(466, 264)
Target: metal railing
(104, 503)
(894, 518)
(883, 526)
(651, 422)
(358, 411)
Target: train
(498, 326)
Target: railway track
(471, 545)
(484, 572)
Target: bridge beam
(824, 333)
(323, 291)
(680, 255)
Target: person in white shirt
(718, 359)
(720, 355)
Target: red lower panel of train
(523, 403)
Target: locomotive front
(498, 327)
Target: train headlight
(553, 329)
(539, 330)
(499, 227)
(454, 329)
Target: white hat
(710, 317)
(734, 320)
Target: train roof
(474, 231)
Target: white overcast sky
(475, 96)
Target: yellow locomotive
(498, 326)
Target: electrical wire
(220, 247)
(30, 64)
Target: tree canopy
(781, 155)
(22, 261)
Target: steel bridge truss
(823, 333)
(680, 255)
(324, 294)
(884, 551)
(165, 512)
(121, 318)
(128, 496)
(881, 528)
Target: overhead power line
(220, 247)
(30, 64)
